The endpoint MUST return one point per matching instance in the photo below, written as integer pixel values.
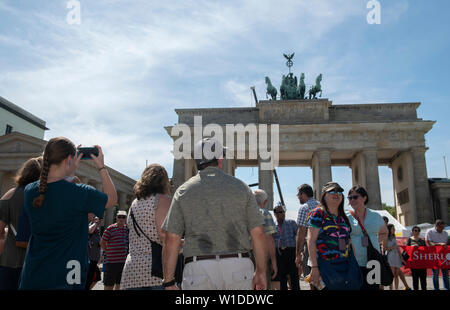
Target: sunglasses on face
(354, 197)
(335, 192)
(121, 217)
(278, 212)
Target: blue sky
(116, 78)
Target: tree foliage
(389, 209)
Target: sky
(116, 78)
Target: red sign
(421, 257)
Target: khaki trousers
(218, 274)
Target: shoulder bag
(372, 254)
(157, 268)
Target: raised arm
(108, 186)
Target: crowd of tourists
(213, 232)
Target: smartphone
(87, 151)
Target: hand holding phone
(87, 151)
(98, 158)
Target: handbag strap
(360, 224)
(136, 226)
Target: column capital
(369, 150)
(418, 149)
(323, 150)
(323, 154)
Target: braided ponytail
(38, 201)
(56, 150)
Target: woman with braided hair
(57, 255)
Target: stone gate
(317, 134)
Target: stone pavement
(305, 286)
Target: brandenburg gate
(317, 134)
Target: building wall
(19, 125)
(440, 192)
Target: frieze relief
(297, 140)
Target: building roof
(11, 107)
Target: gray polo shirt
(215, 212)
(434, 236)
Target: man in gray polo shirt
(216, 213)
(438, 236)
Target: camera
(87, 151)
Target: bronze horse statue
(271, 90)
(316, 88)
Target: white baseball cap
(208, 150)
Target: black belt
(203, 257)
(285, 248)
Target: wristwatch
(170, 283)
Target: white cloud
(108, 80)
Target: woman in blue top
(374, 225)
(57, 256)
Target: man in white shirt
(437, 236)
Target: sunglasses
(122, 217)
(335, 192)
(354, 197)
(278, 212)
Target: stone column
(404, 193)
(189, 169)
(178, 174)
(265, 180)
(372, 178)
(358, 170)
(229, 166)
(421, 186)
(444, 215)
(122, 200)
(321, 165)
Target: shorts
(94, 274)
(113, 273)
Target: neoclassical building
(23, 139)
(16, 148)
(317, 134)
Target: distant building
(440, 193)
(22, 138)
(15, 119)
